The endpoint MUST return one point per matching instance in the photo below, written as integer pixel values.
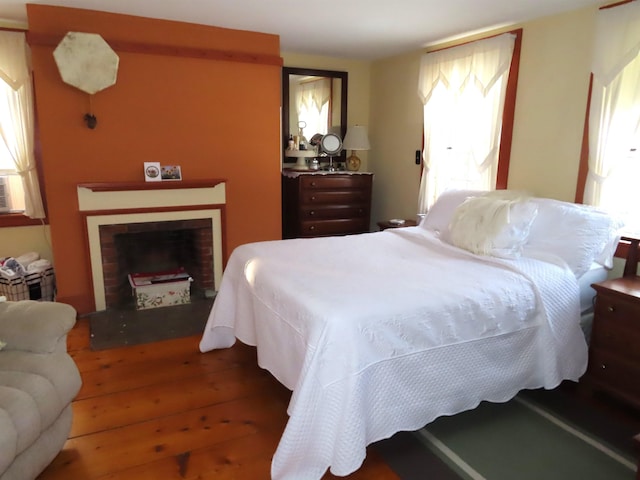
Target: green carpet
(519, 440)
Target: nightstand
(383, 225)
(614, 350)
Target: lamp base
(353, 162)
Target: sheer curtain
(17, 117)
(312, 104)
(463, 91)
(614, 118)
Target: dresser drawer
(333, 227)
(334, 197)
(619, 310)
(614, 350)
(321, 212)
(611, 335)
(334, 181)
(317, 204)
(610, 370)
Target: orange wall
(215, 118)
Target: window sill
(19, 220)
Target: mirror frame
(286, 72)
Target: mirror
(315, 100)
(331, 144)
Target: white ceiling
(362, 29)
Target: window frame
(20, 219)
(508, 114)
(622, 251)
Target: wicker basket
(32, 286)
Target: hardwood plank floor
(165, 411)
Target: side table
(614, 355)
(384, 224)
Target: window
(19, 184)
(11, 190)
(313, 104)
(464, 92)
(613, 135)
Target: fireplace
(150, 227)
(152, 247)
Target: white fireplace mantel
(138, 202)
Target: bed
(384, 332)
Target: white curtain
(614, 119)
(463, 91)
(17, 118)
(312, 104)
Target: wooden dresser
(321, 204)
(614, 351)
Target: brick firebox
(106, 204)
(155, 246)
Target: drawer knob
(603, 366)
(312, 213)
(313, 184)
(313, 198)
(611, 309)
(312, 227)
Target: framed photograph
(171, 172)
(152, 172)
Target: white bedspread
(382, 332)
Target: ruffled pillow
(496, 224)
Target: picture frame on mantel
(152, 172)
(170, 172)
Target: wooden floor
(166, 411)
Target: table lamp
(355, 139)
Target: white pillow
(493, 224)
(439, 216)
(578, 234)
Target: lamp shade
(356, 138)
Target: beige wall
(16, 241)
(549, 115)
(396, 134)
(551, 104)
